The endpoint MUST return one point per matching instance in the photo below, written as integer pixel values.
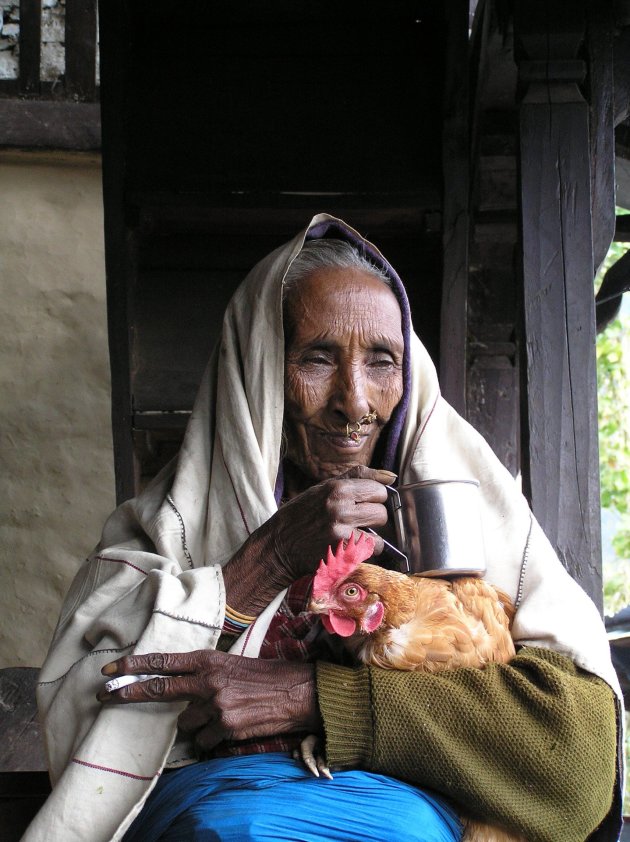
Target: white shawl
(154, 583)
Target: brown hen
(395, 621)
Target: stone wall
(52, 56)
(52, 49)
(56, 456)
(9, 35)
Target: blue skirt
(272, 797)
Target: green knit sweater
(529, 745)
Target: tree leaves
(613, 378)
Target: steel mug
(438, 528)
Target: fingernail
(388, 475)
(109, 669)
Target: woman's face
(344, 359)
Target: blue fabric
(272, 797)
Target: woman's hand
(232, 698)
(292, 542)
(326, 513)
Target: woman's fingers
(203, 721)
(160, 688)
(197, 715)
(360, 490)
(165, 663)
(376, 474)
(379, 544)
(210, 736)
(356, 503)
(184, 676)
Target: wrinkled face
(344, 359)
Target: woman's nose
(351, 398)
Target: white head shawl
(154, 582)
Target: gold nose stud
(353, 428)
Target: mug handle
(396, 560)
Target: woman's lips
(341, 440)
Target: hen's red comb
(341, 563)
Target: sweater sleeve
(530, 745)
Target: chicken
(395, 621)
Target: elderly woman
(316, 393)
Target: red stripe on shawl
(115, 771)
(423, 428)
(122, 561)
(238, 502)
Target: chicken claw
(308, 753)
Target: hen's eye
(352, 590)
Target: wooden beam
(492, 375)
(118, 244)
(81, 49)
(453, 324)
(599, 44)
(38, 124)
(560, 447)
(30, 45)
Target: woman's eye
(317, 359)
(382, 363)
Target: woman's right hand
(324, 514)
(292, 542)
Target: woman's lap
(270, 797)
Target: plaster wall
(56, 473)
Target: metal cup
(438, 528)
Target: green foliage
(613, 378)
(614, 411)
(621, 541)
(617, 588)
(613, 391)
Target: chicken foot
(309, 753)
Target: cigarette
(124, 680)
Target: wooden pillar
(119, 259)
(453, 324)
(30, 46)
(492, 376)
(560, 448)
(81, 49)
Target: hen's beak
(323, 605)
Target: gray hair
(329, 254)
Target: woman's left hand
(232, 697)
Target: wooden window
(49, 96)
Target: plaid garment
(295, 634)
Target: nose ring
(353, 433)
(353, 428)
